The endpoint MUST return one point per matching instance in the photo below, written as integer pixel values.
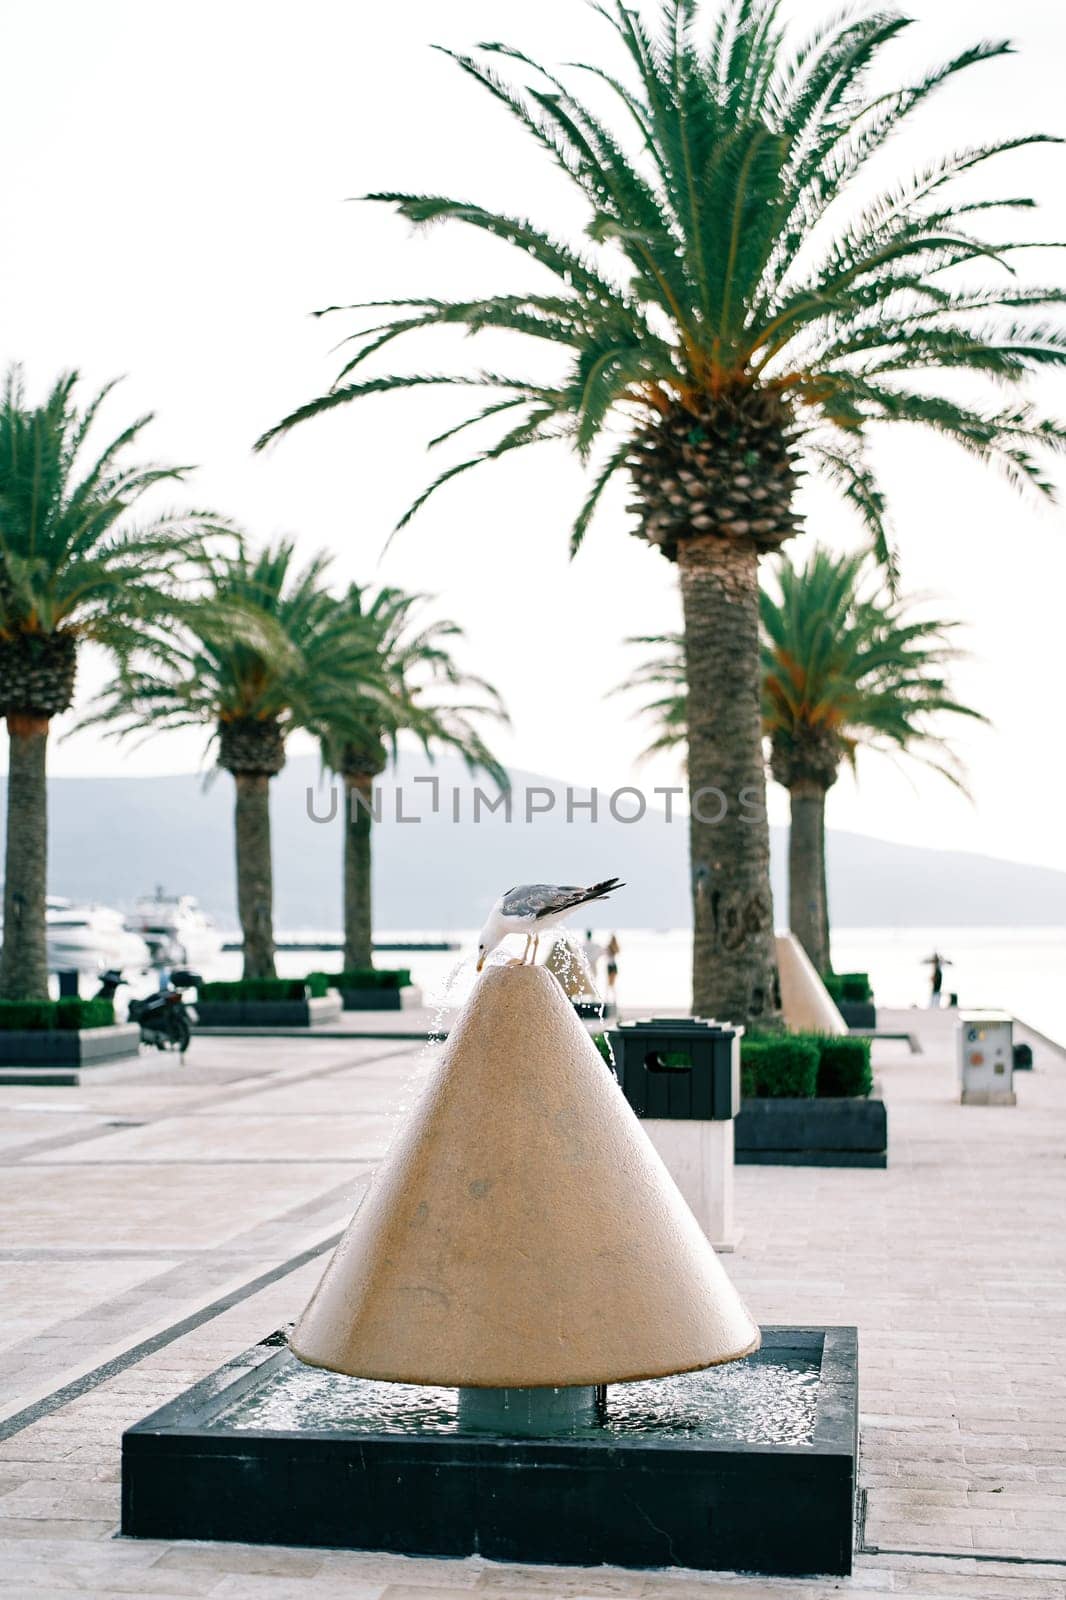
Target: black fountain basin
(266, 1451)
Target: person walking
(613, 947)
(590, 955)
(936, 985)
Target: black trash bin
(678, 1067)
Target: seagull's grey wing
(539, 899)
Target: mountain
(113, 839)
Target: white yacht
(90, 938)
(175, 929)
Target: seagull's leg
(525, 952)
(536, 943)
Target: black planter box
(267, 1013)
(706, 1090)
(858, 1013)
(595, 1010)
(372, 999)
(377, 999)
(639, 1502)
(69, 1047)
(66, 1058)
(845, 1132)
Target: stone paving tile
(236, 1134)
(269, 1560)
(360, 1091)
(498, 1579)
(75, 1577)
(961, 1586)
(35, 1295)
(82, 1502)
(47, 1529)
(107, 1554)
(167, 1207)
(22, 1127)
(251, 1588)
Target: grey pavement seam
(964, 1555)
(128, 1358)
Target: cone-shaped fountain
(522, 1232)
(524, 1244)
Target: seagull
(530, 908)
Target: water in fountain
(769, 1398)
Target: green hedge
(849, 986)
(802, 1065)
(778, 1068)
(48, 1016)
(603, 1045)
(844, 1066)
(315, 985)
(367, 978)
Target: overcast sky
(175, 205)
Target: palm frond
(72, 554)
(716, 261)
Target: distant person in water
(613, 947)
(936, 984)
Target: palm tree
(413, 661)
(73, 570)
(723, 325)
(266, 650)
(843, 670)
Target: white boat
(90, 938)
(176, 930)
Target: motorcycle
(163, 1016)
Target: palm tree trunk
(358, 918)
(255, 881)
(826, 944)
(24, 962)
(734, 967)
(807, 913)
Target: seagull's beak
(480, 963)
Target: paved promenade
(155, 1227)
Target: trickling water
(447, 999)
(769, 1398)
(568, 962)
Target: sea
(1020, 970)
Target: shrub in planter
(849, 986)
(46, 1016)
(602, 1044)
(844, 1067)
(807, 1102)
(243, 989)
(77, 1014)
(785, 1066)
(366, 978)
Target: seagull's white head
(490, 936)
